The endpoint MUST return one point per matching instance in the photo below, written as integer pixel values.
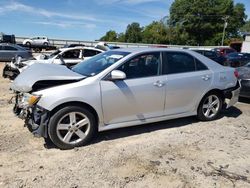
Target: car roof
(80, 48)
(10, 44)
(151, 49)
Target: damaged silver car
(121, 88)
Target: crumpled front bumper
(232, 95)
(36, 118)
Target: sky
(80, 19)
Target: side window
(142, 66)
(89, 53)
(10, 48)
(177, 62)
(72, 54)
(200, 66)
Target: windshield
(98, 63)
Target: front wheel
(71, 127)
(210, 107)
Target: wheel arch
(76, 103)
(214, 90)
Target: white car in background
(63, 56)
(36, 41)
(70, 56)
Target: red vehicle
(224, 50)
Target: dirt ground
(177, 153)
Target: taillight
(236, 74)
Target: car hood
(49, 74)
(244, 72)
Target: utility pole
(224, 29)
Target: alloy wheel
(211, 106)
(73, 127)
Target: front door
(140, 96)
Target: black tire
(45, 44)
(37, 50)
(28, 44)
(59, 115)
(201, 115)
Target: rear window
(178, 62)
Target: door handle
(158, 83)
(206, 77)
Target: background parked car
(8, 51)
(63, 56)
(237, 59)
(224, 50)
(244, 76)
(213, 55)
(36, 41)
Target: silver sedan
(121, 88)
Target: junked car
(212, 55)
(65, 56)
(244, 76)
(236, 59)
(121, 88)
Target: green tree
(110, 36)
(202, 21)
(121, 37)
(133, 33)
(155, 33)
(246, 27)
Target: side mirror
(117, 75)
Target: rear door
(186, 81)
(140, 96)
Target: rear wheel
(71, 127)
(210, 107)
